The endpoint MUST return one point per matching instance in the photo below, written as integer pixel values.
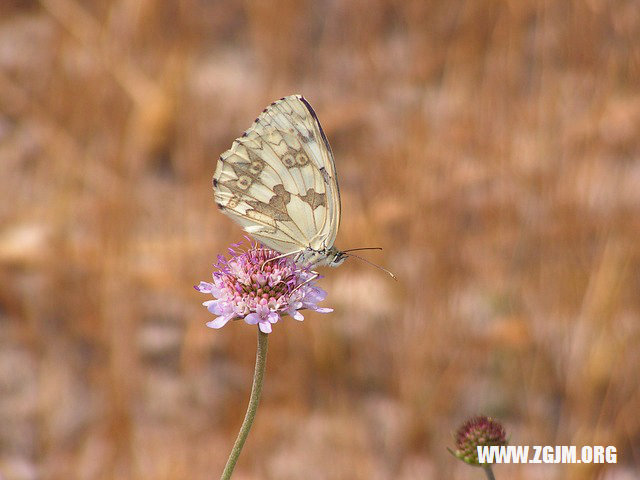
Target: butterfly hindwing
(278, 181)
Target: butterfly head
(335, 257)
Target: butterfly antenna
(367, 261)
(361, 248)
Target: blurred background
(490, 147)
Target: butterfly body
(278, 182)
(329, 257)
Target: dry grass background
(491, 147)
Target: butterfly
(278, 182)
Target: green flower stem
(256, 390)
(487, 469)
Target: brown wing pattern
(278, 180)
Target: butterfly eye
(289, 161)
(302, 159)
(243, 182)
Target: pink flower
(252, 286)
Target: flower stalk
(256, 391)
(488, 471)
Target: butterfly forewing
(278, 180)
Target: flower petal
(314, 295)
(296, 315)
(323, 310)
(204, 287)
(213, 306)
(218, 322)
(265, 327)
(252, 319)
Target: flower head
(260, 288)
(475, 432)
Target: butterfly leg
(284, 255)
(310, 279)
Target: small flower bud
(475, 432)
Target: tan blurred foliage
(491, 147)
